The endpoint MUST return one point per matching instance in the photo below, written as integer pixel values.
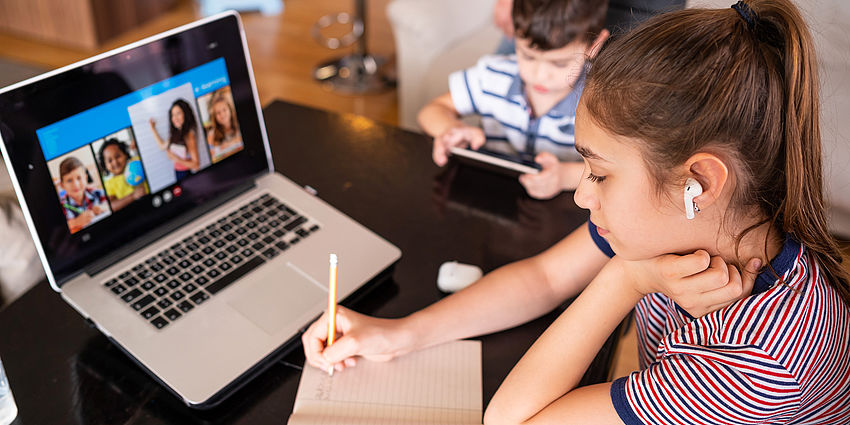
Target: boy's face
(551, 72)
(115, 160)
(620, 194)
(75, 183)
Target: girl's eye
(594, 178)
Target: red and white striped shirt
(780, 356)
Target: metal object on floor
(355, 73)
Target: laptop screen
(108, 151)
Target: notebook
(146, 179)
(439, 385)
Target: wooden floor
(282, 51)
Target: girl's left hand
(698, 282)
(547, 183)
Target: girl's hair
(68, 165)
(552, 24)
(111, 142)
(216, 128)
(178, 135)
(741, 83)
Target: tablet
(513, 165)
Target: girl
(223, 136)
(729, 99)
(80, 203)
(182, 147)
(114, 156)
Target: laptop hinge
(165, 229)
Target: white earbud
(692, 190)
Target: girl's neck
(752, 245)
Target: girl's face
(75, 183)
(115, 159)
(222, 114)
(177, 117)
(619, 192)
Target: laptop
(147, 182)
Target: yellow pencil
(332, 306)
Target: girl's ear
(712, 173)
(597, 44)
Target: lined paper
(439, 385)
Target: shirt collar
(782, 264)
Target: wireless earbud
(692, 190)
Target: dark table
(63, 371)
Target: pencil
(332, 306)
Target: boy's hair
(552, 24)
(741, 83)
(68, 165)
(111, 142)
(177, 135)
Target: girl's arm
(159, 142)
(192, 148)
(541, 388)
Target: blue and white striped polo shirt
(493, 90)
(780, 356)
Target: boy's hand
(502, 17)
(547, 183)
(456, 136)
(357, 335)
(697, 282)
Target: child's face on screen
(622, 198)
(177, 117)
(550, 72)
(74, 183)
(222, 114)
(115, 160)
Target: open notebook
(440, 385)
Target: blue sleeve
(600, 241)
(621, 403)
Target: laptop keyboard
(170, 284)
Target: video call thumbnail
(168, 131)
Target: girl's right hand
(153, 123)
(358, 335)
(698, 282)
(456, 136)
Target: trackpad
(277, 297)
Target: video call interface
(141, 145)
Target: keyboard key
(189, 288)
(144, 274)
(231, 249)
(208, 250)
(214, 273)
(184, 263)
(295, 223)
(124, 275)
(204, 240)
(118, 289)
(225, 266)
(247, 252)
(130, 282)
(201, 281)
(160, 278)
(177, 295)
(173, 283)
(160, 291)
(168, 259)
(234, 275)
(180, 253)
(270, 253)
(301, 232)
(172, 271)
(132, 295)
(138, 267)
(219, 243)
(278, 233)
(185, 277)
(151, 312)
(199, 297)
(185, 306)
(281, 245)
(209, 262)
(294, 241)
(258, 246)
(159, 322)
(172, 314)
(164, 303)
(314, 227)
(221, 255)
(236, 259)
(268, 239)
(242, 242)
(148, 285)
(110, 282)
(142, 302)
(197, 269)
(196, 256)
(192, 246)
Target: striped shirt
(780, 356)
(493, 90)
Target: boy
(527, 100)
(80, 203)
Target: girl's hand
(456, 136)
(357, 335)
(153, 123)
(697, 282)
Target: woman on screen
(181, 147)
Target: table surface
(63, 371)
